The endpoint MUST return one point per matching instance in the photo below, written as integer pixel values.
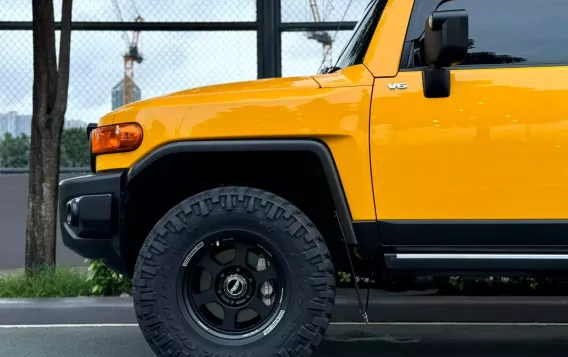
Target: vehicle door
(488, 164)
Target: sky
(172, 60)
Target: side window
(509, 32)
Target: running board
(477, 262)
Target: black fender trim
(367, 233)
(311, 145)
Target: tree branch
(64, 60)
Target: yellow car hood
(256, 85)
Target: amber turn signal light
(116, 138)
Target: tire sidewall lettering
(183, 244)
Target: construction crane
(322, 37)
(132, 55)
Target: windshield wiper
(331, 69)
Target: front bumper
(90, 214)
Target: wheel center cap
(235, 286)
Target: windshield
(354, 52)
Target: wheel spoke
(264, 275)
(202, 298)
(210, 265)
(241, 254)
(259, 307)
(230, 318)
(235, 286)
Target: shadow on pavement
(445, 341)
(481, 348)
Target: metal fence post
(269, 38)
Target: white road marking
(453, 323)
(333, 323)
(68, 325)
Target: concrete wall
(13, 210)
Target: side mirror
(446, 38)
(446, 41)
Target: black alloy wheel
(233, 285)
(234, 271)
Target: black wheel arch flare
(314, 146)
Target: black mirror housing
(445, 43)
(446, 38)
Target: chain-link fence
(173, 59)
(184, 43)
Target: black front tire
(172, 329)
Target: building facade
(18, 124)
(117, 94)
(15, 124)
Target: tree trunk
(51, 81)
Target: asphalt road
(344, 340)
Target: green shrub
(106, 282)
(46, 282)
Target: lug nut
(238, 269)
(222, 275)
(219, 291)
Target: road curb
(112, 310)
(79, 310)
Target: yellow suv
(436, 144)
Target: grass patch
(46, 282)
(106, 282)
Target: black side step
(477, 262)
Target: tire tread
(273, 207)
